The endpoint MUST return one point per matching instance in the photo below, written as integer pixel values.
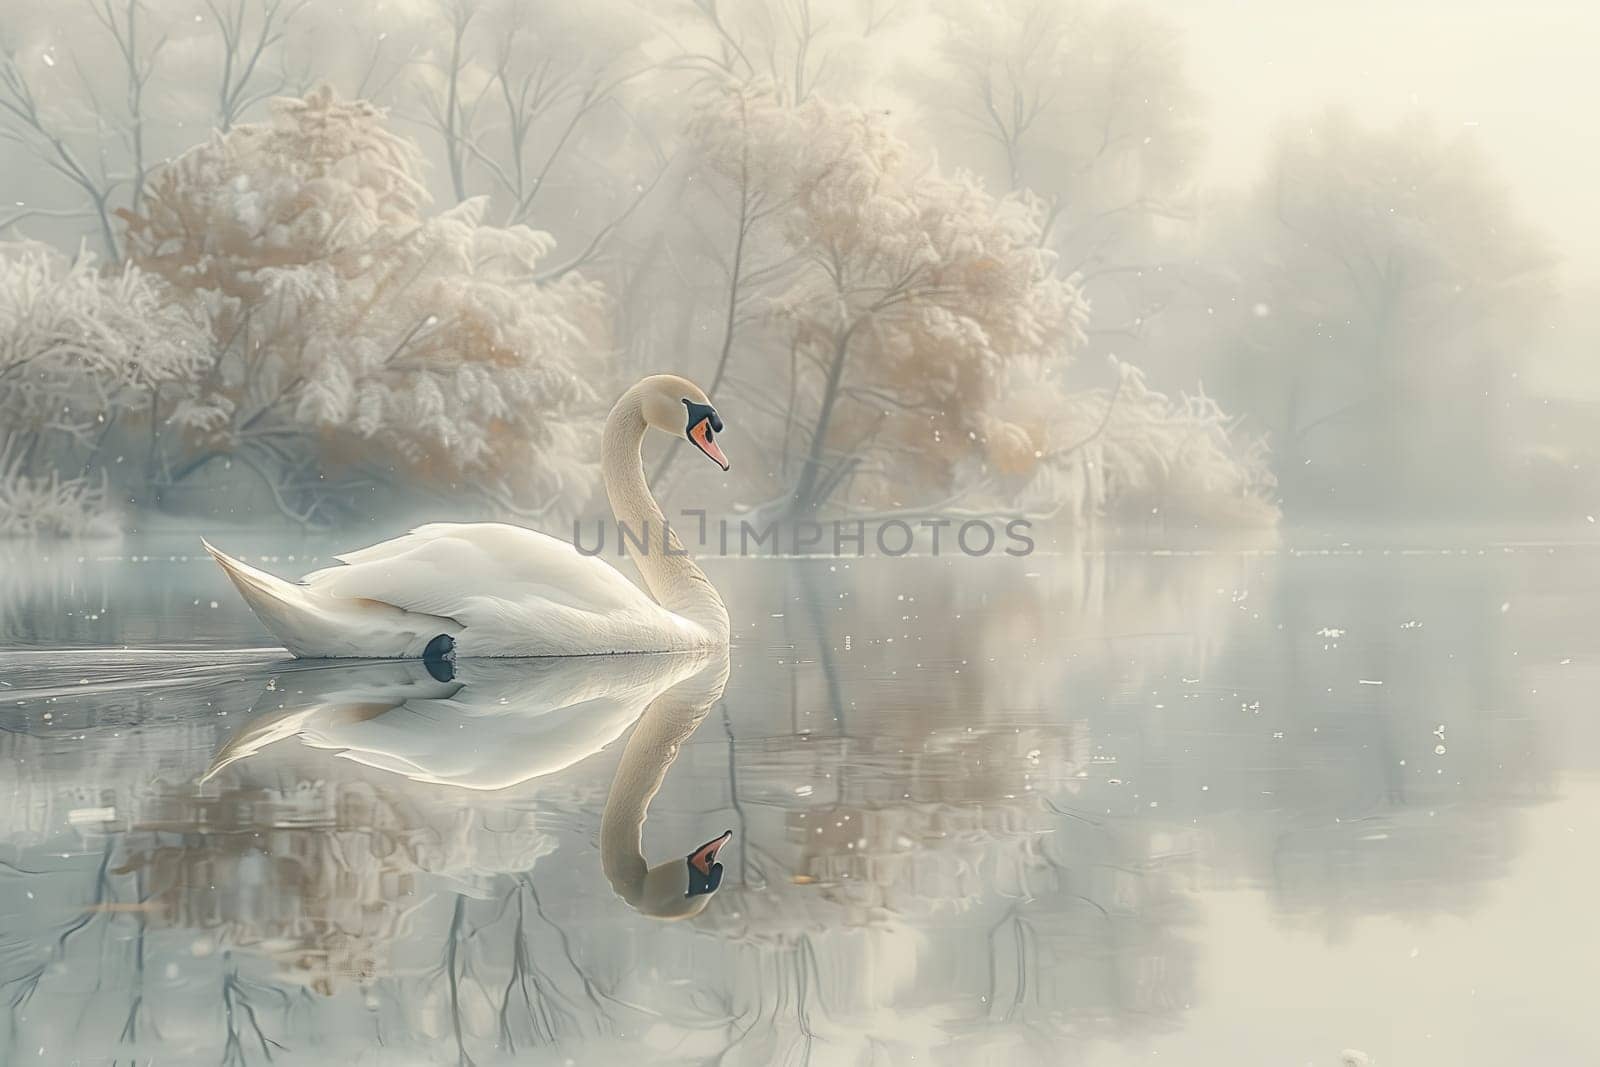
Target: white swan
(492, 589)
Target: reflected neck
(662, 730)
(673, 578)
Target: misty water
(1265, 805)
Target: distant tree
(353, 336)
(1379, 285)
(899, 294)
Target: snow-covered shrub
(353, 334)
(49, 505)
(1125, 451)
(83, 356)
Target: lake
(1318, 803)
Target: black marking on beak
(703, 423)
(705, 873)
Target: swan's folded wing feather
(448, 568)
(396, 546)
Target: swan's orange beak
(701, 436)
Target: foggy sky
(1522, 74)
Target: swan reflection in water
(488, 725)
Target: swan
(522, 721)
(448, 590)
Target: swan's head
(682, 888)
(680, 408)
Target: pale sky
(1526, 72)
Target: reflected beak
(703, 857)
(701, 436)
(705, 873)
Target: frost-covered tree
(84, 358)
(353, 336)
(910, 317)
(1089, 109)
(899, 294)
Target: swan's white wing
(513, 591)
(434, 567)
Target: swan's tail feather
(257, 736)
(312, 622)
(255, 586)
(277, 603)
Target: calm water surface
(1101, 808)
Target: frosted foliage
(69, 333)
(928, 284)
(350, 327)
(961, 266)
(321, 183)
(49, 505)
(80, 351)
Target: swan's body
(494, 589)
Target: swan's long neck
(674, 580)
